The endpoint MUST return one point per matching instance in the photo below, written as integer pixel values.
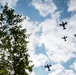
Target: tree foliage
(14, 59)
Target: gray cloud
(45, 8)
(11, 3)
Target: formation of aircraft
(65, 37)
(48, 67)
(63, 24)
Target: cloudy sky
(46, 44)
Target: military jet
(48, 67)
(64, 38)
(63, 24)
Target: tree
(14, 59)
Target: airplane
(64, 38)
(75, 35)
(48, 67)
(63, 24)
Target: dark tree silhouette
(14, 59)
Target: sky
(46, 45)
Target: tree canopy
(14, 59)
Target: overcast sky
(46, 44)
